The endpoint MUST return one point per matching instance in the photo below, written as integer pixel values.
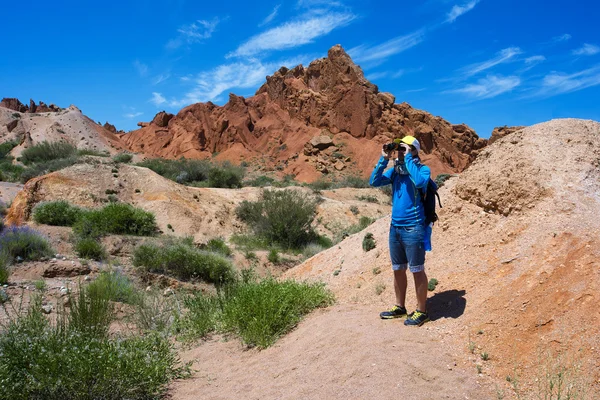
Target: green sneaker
(416, 318)
(395, 312)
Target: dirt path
(343, 352)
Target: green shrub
(283, 217)
(44, 361)
(10, 172)
(90, 248)
(184, 262)
(4, 267)
(91, 152)
(202, 317)
(354, 182)
(218, 245)
(181, 171)
(432, 284)
(368, 242)
(320, 184)
(155, 312)
(58, 213)
(90, 313)
(368, 198)
(6, 148)
(115, 218)
(225, 175)
(123, 158)
(260, 181)
(441, 179)
(115, 286)
(47, 151)
(45, 167)
(274, 256)
(25, 243)
(261, 312)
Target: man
(407, 230)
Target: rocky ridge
(274, 128)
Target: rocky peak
(15, 105)
(501, 131)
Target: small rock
(19, 259)
(168, 292)
(47, 309)
(148, 288)
(64, 291)
(87, 278)
(67, 301)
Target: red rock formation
(162, 119)
(16, 105)
(13, 104)
(329, 97)
(501, 131)
(110, 127)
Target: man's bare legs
(400, 285)
(421, 289)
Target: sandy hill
(200, 212)
(324, 119)
(515, 251)
(53, 124)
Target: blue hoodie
(407, 206)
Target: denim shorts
(407, 248)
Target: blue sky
(486, 63)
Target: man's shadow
(447, 304)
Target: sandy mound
(203, 213)
(68, 125)
(515, 251)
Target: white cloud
(194, 32)
(457, 11)
(377, 75)
(559, 82)
(293, 34)
(133, 115)
(141, 68)
(561, 38)
(534, 59)
(504, 55)
(488, 87)
(587, 50)
(157, 99)
(271, 16)
(379, 53)
(160, 78)
(247, 74)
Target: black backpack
(428, 197)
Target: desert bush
(6, 148)
(368, 198)
(123, 158)
(261, 312)
(312, 249)
(441, 179)
(218, 245)
(283, 217)
(25, 243)
(353, 181)
(47, 151)
(225, 175)
(368, 242)
(115, 286)
(10, 172)
(155, 312)
(260, 181)
(184, 262)
(91, 152)
(432, 284)
(90, 313)
(58, 213)
(4, 267)
(3, 211)
(182, 171)
(202, 317)
(273, 256)
(90, 248)
(73, 360)
(45, 167)
(115, 218)
(320, 184)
